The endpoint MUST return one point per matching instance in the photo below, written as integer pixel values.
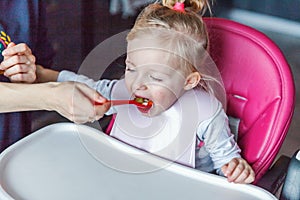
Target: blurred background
(76, 27)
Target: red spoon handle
(123, 102)
(118, 102)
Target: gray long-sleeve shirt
(215, 145)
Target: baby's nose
(139, 85)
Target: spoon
(139, 102)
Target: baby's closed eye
(156, 78)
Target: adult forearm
(24, 97)
(75, 101)
(45, 74)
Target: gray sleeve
(218, 140)
(104, 87)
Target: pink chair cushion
(259, 86)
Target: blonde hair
(185, 33)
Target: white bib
(172, 134)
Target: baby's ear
(192, 80)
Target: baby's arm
(224, 151)
(104, 87)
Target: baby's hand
(238, 171)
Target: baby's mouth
(145, 104)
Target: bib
(171, 134)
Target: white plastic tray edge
(175, 168)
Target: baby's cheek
(164, 100)
(128, 84)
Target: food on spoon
(143, 101)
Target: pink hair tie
(179, 7)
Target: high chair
(260, 92)
(69, 161)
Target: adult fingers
(23, 77)
(21, 48)
(20, 69)
(17, 59)
(91, 94)
(11, 44)
(100, 110)
(86, 96)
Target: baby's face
(150, 75)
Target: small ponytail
(198, 6)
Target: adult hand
(238, 171)
(19, 63)
(76, 101)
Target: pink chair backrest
(259, 87)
